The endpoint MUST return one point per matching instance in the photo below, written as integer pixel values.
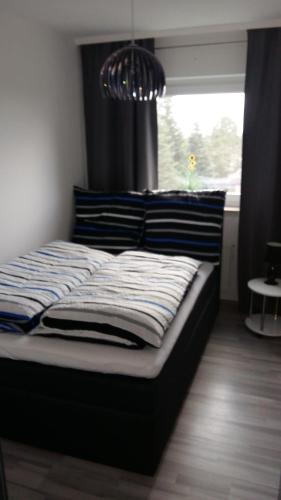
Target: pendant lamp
(132, 73)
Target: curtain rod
(175, 32)
(199, 44)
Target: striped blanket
(31, 283)
(130, 301)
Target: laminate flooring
(226, 444)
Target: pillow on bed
(185, 223)
(108, 221)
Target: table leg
(276, 309)
(251, 303)
(263, 312)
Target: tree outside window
(199, 141)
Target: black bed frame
(3, 485)
(116, 420)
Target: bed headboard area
(186, 223)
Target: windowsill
(232, 210)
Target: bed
(111, 405)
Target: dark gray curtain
(121, 136)
(260, 214)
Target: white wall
(229, 274)
(41, 135)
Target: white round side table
(262, 322)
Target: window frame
(209, 85)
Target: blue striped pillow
(185, 223)
(108, 221)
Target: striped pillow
(185, 223)
(109, 221)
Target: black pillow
(185, 223)
(109, 221)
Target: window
(199, 141)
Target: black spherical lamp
(132, 74)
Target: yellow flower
(191, 162)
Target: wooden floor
(226, 444)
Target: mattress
(146, 363)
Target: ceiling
(100, 18)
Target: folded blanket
(31, 283)
(130, 301)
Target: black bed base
(116, 420)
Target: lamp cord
(133, 21)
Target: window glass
(199, 141)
